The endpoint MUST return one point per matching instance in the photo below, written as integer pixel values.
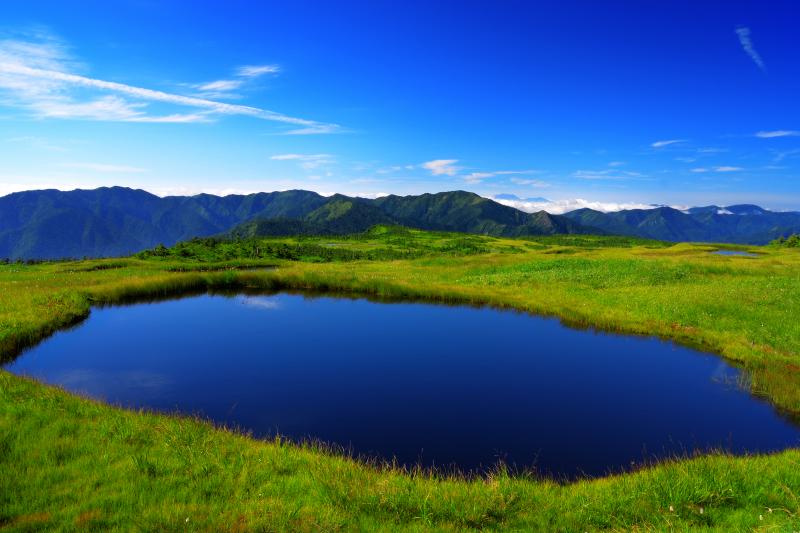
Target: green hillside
(458, 211)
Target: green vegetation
(379, 243)
(66, 462)
(792, 241)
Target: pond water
(734, 252)
(427, 384)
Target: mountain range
(114, 221)
(742, 224)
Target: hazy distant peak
(514, 197)
(746, 209)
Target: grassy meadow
(71, 463)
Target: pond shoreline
(732, 490)
(172, 369)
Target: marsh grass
(71, 463)
(75, 463)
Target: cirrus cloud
(701, 170)
(747, 45)
(39, 75)
(254, 71)
(442, 167)
(306, 161)
(668, 142)
(477, 177)
(777, 133)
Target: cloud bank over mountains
(559, 207)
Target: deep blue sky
(563, 100)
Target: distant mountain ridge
(744, 223)
(113, 221)
(459, 211)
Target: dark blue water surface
(429, 384)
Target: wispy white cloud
(747, 45)
(108, 108)
(318, 128)
(477, 177)
(700, 170)
(306, 161)
(539, 184)
(442, 167)
(299, 157)
(390, 169)
(662, 144)
(28, 73)
(39, 77)
(608, 174)
(224, 88)
(777, 133)
(220, 85)
(616, 163)
(37, 142)
(254, 71)
(102, 167)
(177, 118)
(780, 155)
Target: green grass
(70, 463)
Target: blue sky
(619, 104)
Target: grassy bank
(70, 462)
(74, 463)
